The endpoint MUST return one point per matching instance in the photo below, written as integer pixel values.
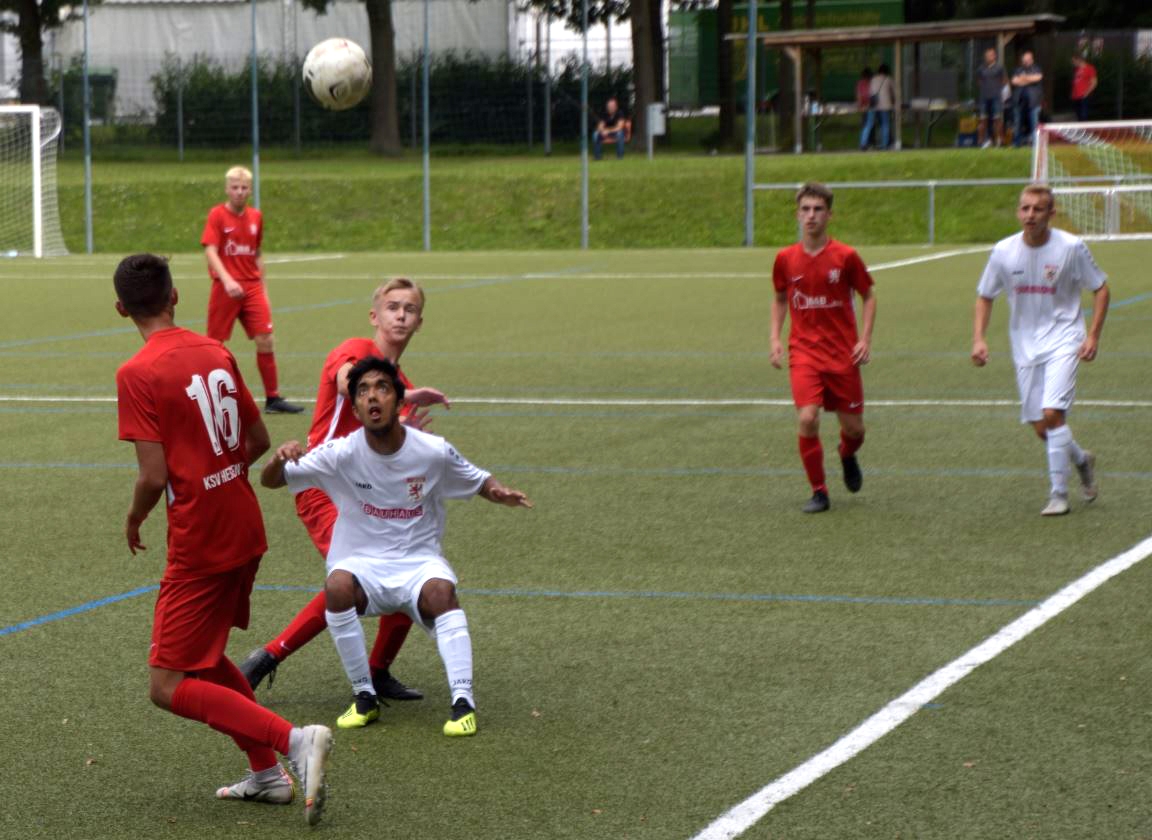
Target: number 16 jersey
(185, 391)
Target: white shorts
(394, 585)
(1051, 384)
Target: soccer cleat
(1089, 490)
(853, 478)
(257, 665)
(279, 405)
(463, 720)
(818, 503)
(1057, 505)
(364, 709)
(310, 764)
(391, 688)
(277, 791)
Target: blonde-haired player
(232, 238)
(1043, 270)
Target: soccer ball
(337, 74)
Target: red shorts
(194, 615)
(840, 391)
(318, 514)
(252, 310)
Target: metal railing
(932, 185)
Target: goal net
(29, 214)
(1101, 173)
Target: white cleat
(1057, 505)
(310, 762)
(275, 791)
(1089, 489)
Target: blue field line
(867, 600)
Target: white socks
(349, 638)
(1060, 449)
(455, 647)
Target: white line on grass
(309, 258)
(743, 816)
(686, 403)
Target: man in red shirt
(196, 430)
(231, 239)
(396, 314)
(1083, 84)
(815, 280)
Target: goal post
(29, 212)
(1101, 173)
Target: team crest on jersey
(834, 275)
(416, 487)
(1050, 272)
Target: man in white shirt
(389, 483)
(1044, 270)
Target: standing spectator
(882, 99)
(1083, 85)
(863, 105)
(614, 128)
(1026, 80)
(991, 79)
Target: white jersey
(391, 507)
(1044, 285)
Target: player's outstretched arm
(424, 397)
(496, 492)
(273, 473)
(151, 481)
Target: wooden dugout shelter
(794, 42)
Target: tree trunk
(643, 66)
(33, 91)
(385, 138)
(786, 104)
(724, 90)
(658, 50)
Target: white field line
(746, 814)
(684, 403)
(308, 258)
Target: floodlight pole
(87, 143)
(584, 128)
(426, 71)
(750, 129)
(255, 118)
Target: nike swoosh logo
(798, 278)
(229, 230)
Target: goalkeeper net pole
(29, 213)
(1101, 173)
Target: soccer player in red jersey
(196, 430)
(815, 280)
(231, 239)
(396, 314)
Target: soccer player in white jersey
(1044, 270)
(389, 483)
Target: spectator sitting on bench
(614, 128)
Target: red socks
(390, 638)
(227, 710)
(812, 456)
(266, 362)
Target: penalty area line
(743, 816)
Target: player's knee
(264, 343)
(160, 693)
(340, 591)
(436, 598)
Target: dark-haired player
(815, 280)
(196, 429)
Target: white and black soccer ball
(337, 74)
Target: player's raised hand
(417, 419)
(496, 492)
(290, 451)
(425, 397)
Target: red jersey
(237, 237)
(1082, 80)
(185, 391)
(819, 290)
(333, 416)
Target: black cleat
(279, 405)
(388, 687)
(818, 503)
(853, 478)
(258, 665)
